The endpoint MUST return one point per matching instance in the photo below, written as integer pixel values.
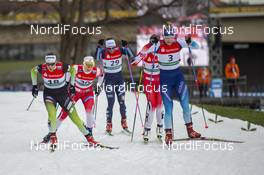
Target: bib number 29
(114, 63)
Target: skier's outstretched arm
(34, 74)
(98, 85)
(126, 50)
(72, 72)
(68, 73)
(99, 53)
(188, 42)
(137, 60)
(100, 75)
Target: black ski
(108, 147)
(109, 133)
(103, 146)
(51, 148)
(125, 130)
(208, 139)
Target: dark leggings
(114, 84)
(232, 84)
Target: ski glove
(101, 42)
(154, 39)
(72, 90)
(124, 43)
(35, 91)
(188, 40)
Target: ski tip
(126, 131)
(109, 133)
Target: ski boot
(159, 132)
(46, 139)
(90, 130)
(124, 126)
(124, 123)
(53, 141)
(109, 128)
(168, 137)
(146, 135)
(90, 140)
(192, 133)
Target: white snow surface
(19, 127)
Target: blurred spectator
(232, 75)
(204, 78)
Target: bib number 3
(170, 58)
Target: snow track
(19, 127)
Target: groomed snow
(19, 127)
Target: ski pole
(197, 85)
(137, 97)
(30, 103)
(137, 105)
(192, 66)
(96, 100)
(140, 79)
(138, 93)
(95, 111)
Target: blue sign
(216, 88)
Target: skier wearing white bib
(168, 53)
(111, 60)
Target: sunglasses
(89, 65)
(169, 37)
(50, 64)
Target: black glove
(188, 40)
(101, 42)
(154, 39)
(124, 43)
(72, 90)
(189, 61)
(35, 91)
(67, 84)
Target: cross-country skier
(55, 92)
(151, 83)
(110, 56)
(84, 74)
(171, 77)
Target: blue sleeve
(194, 45)
(98, 53)
(183, 44)
(127, 51)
